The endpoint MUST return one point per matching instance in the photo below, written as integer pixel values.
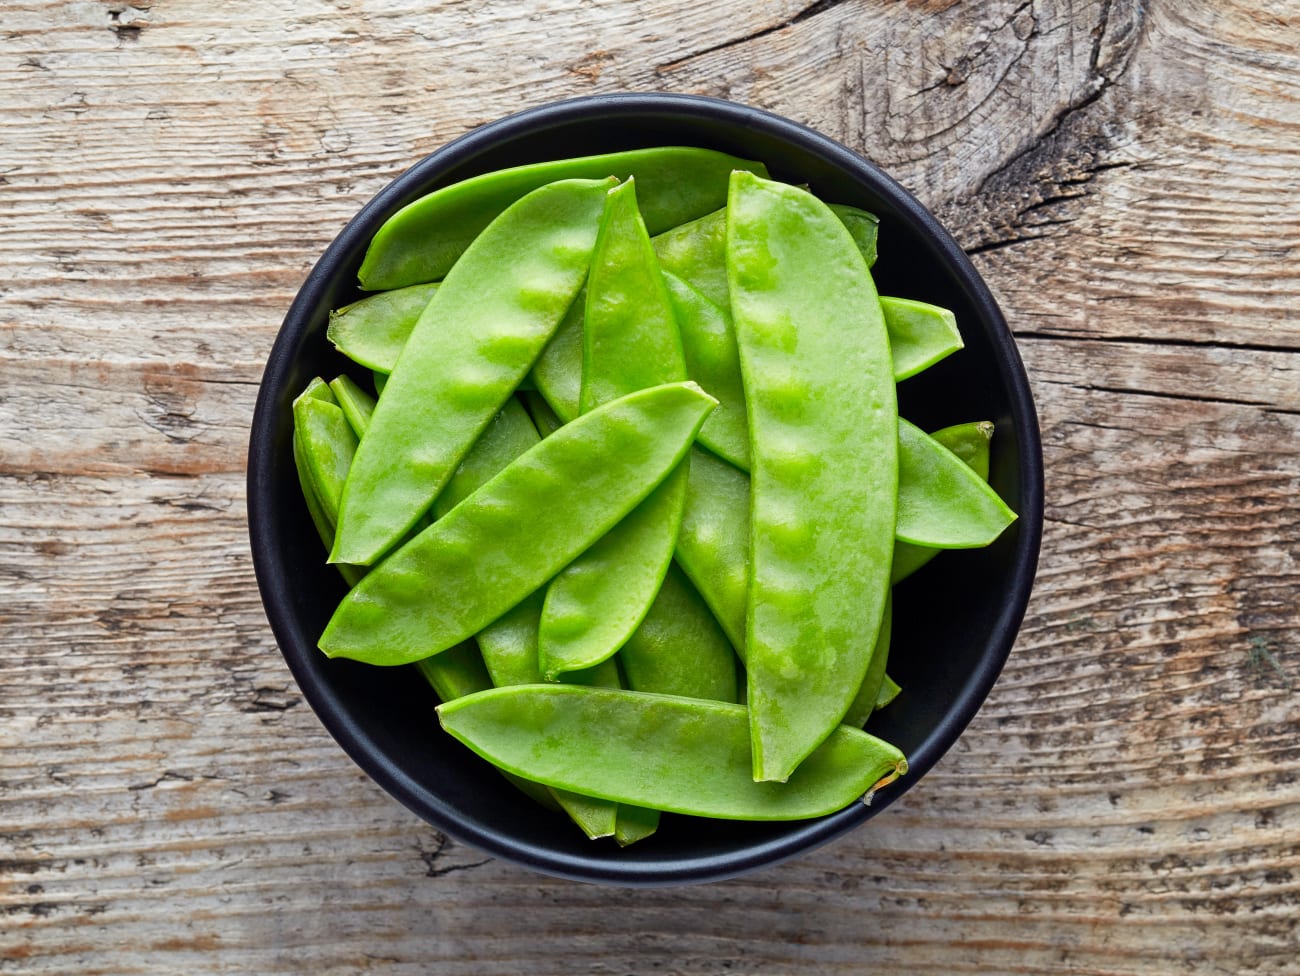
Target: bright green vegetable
(429, 594)
(510, 433)
(357, 405)
(942, 503)
(474, 342)
(557, 374)
(970, 442)
(889, 690)
(540, 411)
(862, 226)
(328, 444)
(678, 754)
(824, 439)
(630, 343)
(423, 240)
(864, 702)
(919, 334)
(679, 649)
(712, 360)
(372, 331)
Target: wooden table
(1125, 174)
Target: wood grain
(1125, 175)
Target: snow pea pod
(305, 448)
(357, 405)
(709, 343)
(970, 442)
(630, 343)
(544, 418)
(429, 595)
(509, 435)
(372, 331)
(677, 754)
(329, 445)
(864, 227)
(557, 374)
(474, 342)
(679, 649)
(919, 334)
(942, 503)
(423, 240)
(824, 439)
(864, 702)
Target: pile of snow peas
(632, 490)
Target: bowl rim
(803, 836)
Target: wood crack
(1167, 341)
(807, 13)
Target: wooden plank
(1125, 174)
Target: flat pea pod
(970, 442)
(424, 240)
(680, 755)
(544, 418)
(509, 435)
(357, 405)
(713, 542)
(824, 441)
(680, 649)
(920, 334)
(864, 702)
(318, 389)
(712, 360)
(557, 374)
(696, 251)
(474, 342)
(889, 690)
(373, 330)
(864, 227)
(329, 445)
(429, 595)
(942, 503)
(630, 343)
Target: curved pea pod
(680, 755)
(889, 690)
(864, 702)
(824, 441)
(942, 503)
(357, 405)
(544, 418)
(970, 442)
(862, 226)
(712, 360)
(919, 334)
(429, 595)
(630, 342)
(373, 331)
(475, 341)
(713, 542)
(329, 444)
(423, 240)
(680, 649)
(509, 435)
(557, 374)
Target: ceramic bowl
(955, 621)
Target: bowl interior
(946, 661)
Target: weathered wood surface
(1126, 174)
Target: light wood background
(1126, 173)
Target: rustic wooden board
(1125, 173)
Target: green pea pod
(372, 331)
(557, 374)
(679, 649)
(474, 342)
(696, 252)
(509, 435)
(864, 702)
(315, 389)
(889, 690)
(381, 381)
(678, 754)
(919, 334)
(329, 444)
(709, 342)
(942, 503)
(970, 442)
(630, 343)
(824, 443)
(357, 405)
(713, 543)
(544, 418)
(429, 595)
(864, 228)
(423, 240)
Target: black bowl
(946, 661)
